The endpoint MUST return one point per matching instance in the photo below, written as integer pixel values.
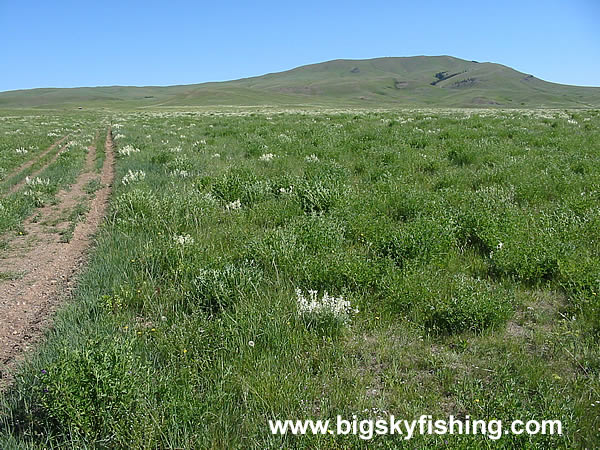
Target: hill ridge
(388, 81)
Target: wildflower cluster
(209, 198)
(181, 173)
(267, 157)
(37, 181)
(233, 205)
(326, 306)
(183, 240)
(119, 136)
(36, 189)
(21, 151)
(285, 138)
(132, 177)
(311, 158)
(128, 150)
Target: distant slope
(412, 81)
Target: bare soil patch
(46, 267)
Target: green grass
(92, 186)
(10, 275)
(75, 216)
(467, 242)
(100, 150)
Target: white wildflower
(336, 306)
(209, 198)
(132, 177)
(216, 155)
(21, 151)
(498, 248)
(180, 173)
(183, 240)
(233, 205)
(128, 150)
(267, 157)
(119, 136)
(37, 181)
(284, 138)
(311, 158)
(71, 144)
(283, 190)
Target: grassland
(440, 81)
(466, 240)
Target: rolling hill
(404, 81)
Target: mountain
(436, 81)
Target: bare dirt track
(42, 268)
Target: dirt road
(41, 267)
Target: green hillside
(412, 81)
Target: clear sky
(84, 43)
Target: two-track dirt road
(43, 266)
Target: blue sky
(80, 43)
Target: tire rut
(26, 165)
(44, 268)
(21, 183)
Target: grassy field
(453, 258)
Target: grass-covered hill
(412, 81)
